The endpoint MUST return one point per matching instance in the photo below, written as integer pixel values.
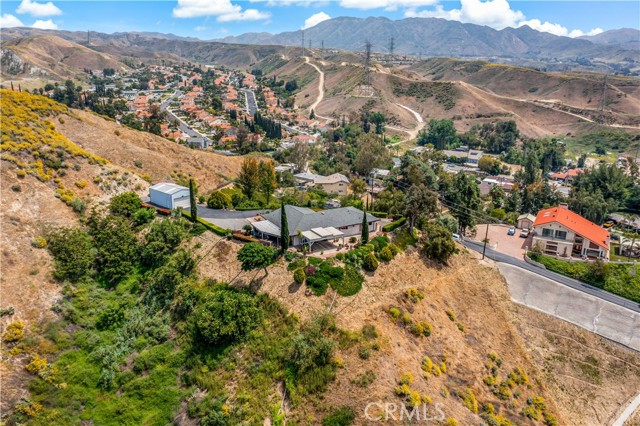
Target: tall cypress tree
(284, 229)
(364, 238)
(192, 201)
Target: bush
(319, 278)
(370, 262)
(16, 187)
(227, 315)
(299, 276)
(125, 204)
(341, 417)
(386, 254)
(72, 252)
(13, 332)
(437, 243)
(394, 225)
(81, 184)
(350, 284)
(218, 200)
(39, 242)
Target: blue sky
(209, 19)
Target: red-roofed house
(567, 176)
(559, 231)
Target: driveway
(599, 316)
(228, 219)
(500, 241)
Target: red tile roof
(574, 222)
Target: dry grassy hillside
(148, 155)
(551, 352)
(58, 57)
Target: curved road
(569, 282)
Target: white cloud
(497, 14)
(9, 21)
(494, 13)
(45, 25)
(224, 10)
(200, 28)
(34, 8)
(386, 4)
(315, 19)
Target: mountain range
(440, 37)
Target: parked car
(456, 237)
(524, 233)
(511, 231)
(608, 224)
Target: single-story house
(559, 231)
(198, 142)
(567, 176)
(169, 196)
(525, 221)
(307, 227)
(379, 173)
(505, 182)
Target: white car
(456, 237)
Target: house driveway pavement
(592, 313)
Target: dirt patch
(148, 154)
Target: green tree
(378, 119)
(125, 204)
(364, 233)
(162, 240)
(218, 200)
(465, 199)
(117, 247)
(267, 179)
(284, 229)
(490, 165)
(420, 202)
(448, 222)
(590, 205)
(372, 153)
(255, 256)
(370, 262)
(73, 253)
(441, 134)
(192, 201)
(358, 187)
(249, 179)
(437, 243)
(227, 315)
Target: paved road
(592, 313)
(252, 104)
(561, 279)
(182, 125)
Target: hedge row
(210, 226)
(394, 225)
(380, 215)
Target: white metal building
(169, 195)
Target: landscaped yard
(623, 280)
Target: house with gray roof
(307, 226)
(169, 195)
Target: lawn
(620, 279)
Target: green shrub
(370, 263)
(227, 315)
(369, 331)
(342, 417)
(365, 379)
(363, 353)
(299, 276)
(350, 284)
(394, 225)
(386, 254)
(73, 253)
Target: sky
(214, 19)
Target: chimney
(564, 206)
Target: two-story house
(559, 231)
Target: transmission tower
(309, 44)
(322, 44)
(367, 61)
(392, 45)
(302, 44)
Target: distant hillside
(627, 38)
(432, 37)
(51, 56)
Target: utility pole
(486, 236)
(392, 46)
(367, 61)
(303, 44)
(322, 44)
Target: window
(547, 232)
(561, 235)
